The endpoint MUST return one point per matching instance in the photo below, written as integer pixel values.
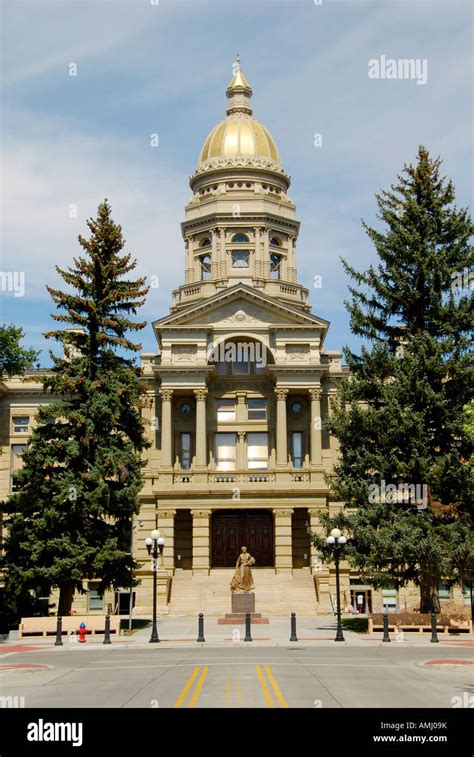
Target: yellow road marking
(281, 699)
(197, 690)
(228, 692)
(187, 687)
(264, 686)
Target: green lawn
(356, 624)
(136, 624)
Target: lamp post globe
(156, 541)
(336, 541)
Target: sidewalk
(182, 632)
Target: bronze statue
(243, 579)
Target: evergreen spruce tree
(403, 473)
(14, 359)
(69, 517)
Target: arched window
(240, 238)
(275, 241)
(240, 358)
(205, 261)
(205, 242)
(275, 265)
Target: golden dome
(239, 135)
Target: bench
(46, 626)
(396, 622)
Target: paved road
(239, 676)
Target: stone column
(214, 254)
(319, 569)
(241, 457)
(333, 443)
(316, 426)
(257, 264)
(283, 541)
(291, 262)
(166, 428)
(189, 273)
(315, 525)
(284, 268)
(241, 410)
(201, 541)
(196, 266)
(266, 253)
(201, 435)
(166, 528)
(281, 434)
(222, 261)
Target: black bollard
(434, 633)
(59, 632)
(107, 630)
(200, 627)
(293, 636)
(386, 636)
(248, 635)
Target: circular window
(185, 408)
(297, 407)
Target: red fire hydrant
(82, 630)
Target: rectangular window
(297, 449)
(389, 598)
(94, 600)
(241, 367)
(275, 263)
(21, 424)
(225, 451)
(257, 451)
(17, 453)
(257, 410)
(225, 410)
(185, 450)
(240, 259)
(16, 461)
(205, 263)
(444, 591)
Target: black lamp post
(336, 541)
(156, 541)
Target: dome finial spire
(239, 91)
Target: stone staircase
(275, 594)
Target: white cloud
(61, 167)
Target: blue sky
(163, 68)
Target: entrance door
(232, 529)
(361, 600)
(122, 602)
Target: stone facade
(238, 390)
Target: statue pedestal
(243, 602)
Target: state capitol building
(238, 390)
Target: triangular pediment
(240, 306)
